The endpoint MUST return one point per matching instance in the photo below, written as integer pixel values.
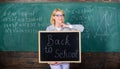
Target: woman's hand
(64, 25)
(53, 63)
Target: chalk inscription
(61, 42)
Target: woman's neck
(57, 25)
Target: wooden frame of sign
(59, 46)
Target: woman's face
(59, 18)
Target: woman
(57, 21)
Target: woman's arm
(74, 27)
(77, 27)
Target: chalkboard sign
(63, 46)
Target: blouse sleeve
(77, 27)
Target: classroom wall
(29, 60)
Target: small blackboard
(62, 46)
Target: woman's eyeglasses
(58, 15)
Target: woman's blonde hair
(53, 14)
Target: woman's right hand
(53, 63)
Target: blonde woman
(57, 24)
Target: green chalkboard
(20, 23)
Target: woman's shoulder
(50, 27)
